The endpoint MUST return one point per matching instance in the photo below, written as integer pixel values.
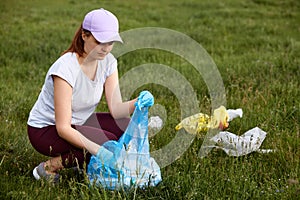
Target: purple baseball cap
(103, 25)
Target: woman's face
(95, 49)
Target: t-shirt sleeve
(112, 66)
(65, 69)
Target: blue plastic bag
(127, 163)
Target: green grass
(256, 47)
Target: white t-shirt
(86, 92)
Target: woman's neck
(85, 59)
(88, 66)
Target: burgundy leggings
(99, 128)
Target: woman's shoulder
(67, 57)
(66, 67)
(67, 60)
(110, 59)
(65, 63)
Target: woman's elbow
(115, 115)
(61, 130)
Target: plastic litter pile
(233, 145)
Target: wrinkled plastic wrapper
(155, 122)
(235, 145)
(127, 163)
(234, 113)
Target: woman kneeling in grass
(65, 108)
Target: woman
(72, 89)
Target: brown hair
(77, 44)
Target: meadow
(255, 45)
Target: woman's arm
(63, 112)
(117, 108)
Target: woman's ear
(83, 36)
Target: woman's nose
(105, 47)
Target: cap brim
(105, 37)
